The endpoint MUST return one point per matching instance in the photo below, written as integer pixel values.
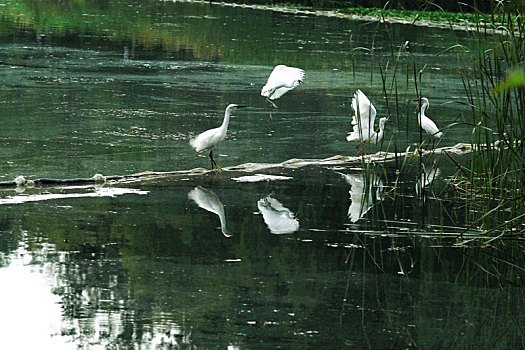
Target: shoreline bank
(337, 14)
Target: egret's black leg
(213, 164)
(361, 148)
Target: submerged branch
(379, 157)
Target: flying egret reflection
(210, 138)
(278, 218)
(363, 117)
(425, 122)
(209, 201)
(365, 191)
(281, 80)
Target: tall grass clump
(495, 87)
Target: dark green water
(120, 87)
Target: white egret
(209, 201)
(278, 218)
(364, 115)
(425, 122)
(281, 80)
(210, 138)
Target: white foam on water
(100, 192)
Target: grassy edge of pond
(495, 87)
(456, 20)
(441, 17)
(489, 185)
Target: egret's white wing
(207, 139)
(279, 92)
(283, 79)
(364, 114)
(362, 196)
(363, 117)
(286, 76)
(355, 210)
(429, 126)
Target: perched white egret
(362, 194)
(364, 115)
(281, 80)
(210, 138)
(425, 122)
(278, 218)
(209, 201)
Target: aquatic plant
(487, 185)
(493, 194)
(460, 18)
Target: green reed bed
(495, 87)
(457, 18)
(489, 184)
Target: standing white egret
(364, 115)
(281, 80)
(209, 201)
(210, 138)
(425, 122)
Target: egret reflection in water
(278, 218)
(428, 175)
(209, 201)
(365, 192)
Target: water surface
(312, 258)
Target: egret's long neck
(226, 118)
(423, 109)
(222, 218)
(421, 113)
(381, 131)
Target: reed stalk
(497, 168)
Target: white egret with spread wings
(281, 80)
(364, 115)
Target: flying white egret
(281, 80)
(364, 115)
(210, 138)
(209, 201)
(425, 122)
(278, 218)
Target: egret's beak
(241, 106)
